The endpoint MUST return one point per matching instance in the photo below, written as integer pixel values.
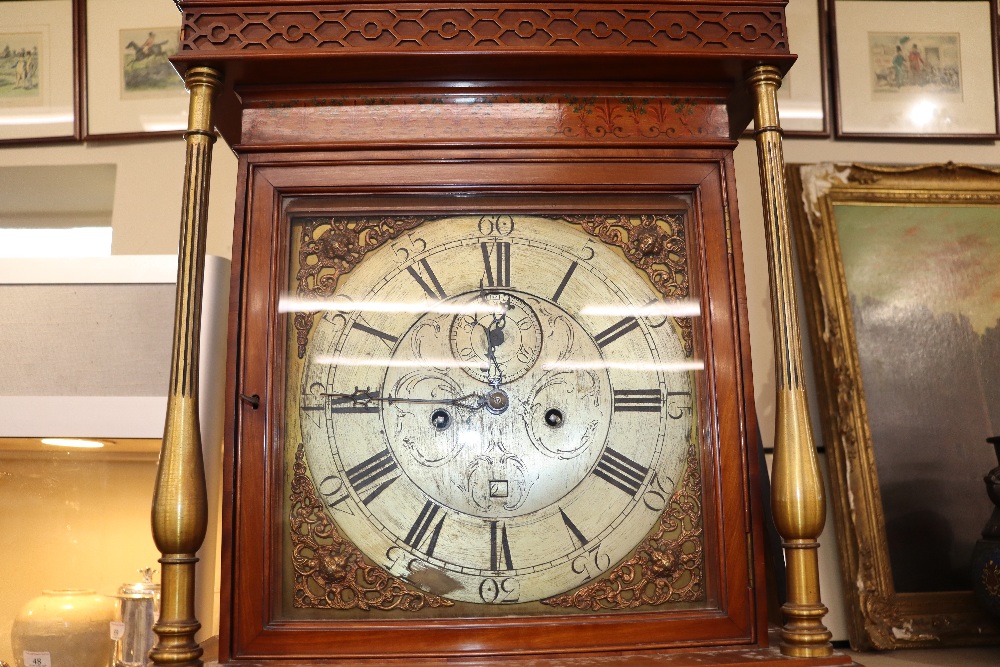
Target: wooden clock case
(538, 180)
(461, 108)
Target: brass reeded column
(797, 499)
(180, 505)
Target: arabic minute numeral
(681, 409)
(496, 225)
(591, 563)
(655, 497)
(499, 590)
(408, 246)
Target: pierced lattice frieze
(498, 28)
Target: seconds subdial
(503, 344)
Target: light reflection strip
(397, 363)
(288, 304)
(687, 308)
(294, 305)
(73, 442)
(669, 366)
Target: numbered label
(37, 659)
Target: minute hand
(366, 397)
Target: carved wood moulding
(554, 118)
(730, 27)
(305, 45)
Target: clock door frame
(733, 614)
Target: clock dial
(489, 412)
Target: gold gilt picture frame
(900, 282)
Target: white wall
(148, 185)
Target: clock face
(496, 409)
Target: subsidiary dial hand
(366, 397)
(494, 339)
(500, 345)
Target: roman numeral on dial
(386, 338)
(616, 331)
(620, 471)
(419, 529)
(501, 259)
(373, 476)
(565, 281)
(499, 548)
(435, 292)
(575, 536)
(637, 400)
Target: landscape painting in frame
(20, 68)
(925, 297)
(145, 65)
(915, 63)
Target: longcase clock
(490, 395)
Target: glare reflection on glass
(37, 118)
(687, 308)
(791, 111)
(164, 122)
(73, 442)
(397, 363)
(668, 366)
(922, 113)
(289, 304)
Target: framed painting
(802, 98)
(915, 69)
(903, 305)
(36, 71)
(132, 89)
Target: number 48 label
(37, 659)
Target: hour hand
(367, 398)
